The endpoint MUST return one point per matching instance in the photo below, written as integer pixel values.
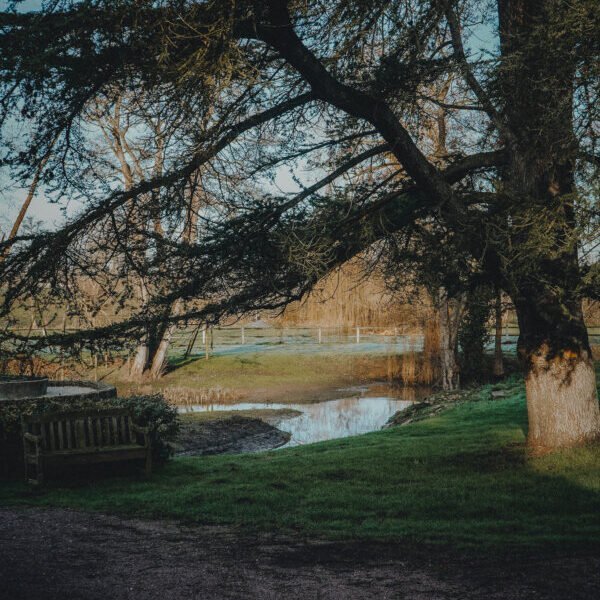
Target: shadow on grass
(463, 478)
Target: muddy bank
(46, 554)
(233, 435)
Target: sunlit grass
(279, 373)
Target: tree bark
(562, 403)
(190, 232)
(498, 368)
(450, 313)
(543, 275)
(159, 357)
(26, 203)
(140, 362)
(142, 354)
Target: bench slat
(61, 442)
(105, 431)
(52, 436)
(99, 441)
(79, 434)
(89, 430)
(69, 436)
(43, 434)
(77, 414)
(123, 439)
(132, 435)
(79, 429)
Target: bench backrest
(81, 429)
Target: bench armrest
(138, 429)
(30, 437)
(144, 431)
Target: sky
(52, 215)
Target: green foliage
(159, 416)
(473, 334)
(463, 477)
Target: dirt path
(60, 554)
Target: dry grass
(42, 367)
(182, 396)
(418, 367)
(348, 298)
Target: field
(276, 376)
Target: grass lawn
(462, 478)
(278, 376)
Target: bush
(151, 411)
(473, 334)
(159, 416)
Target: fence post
(320, 337)
(243, 336)
(358, 335)
(192, 341)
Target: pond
(358, 411)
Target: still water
(329, 419)
(340, 418)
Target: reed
(181, 396)
(349, 298)
(418, 366)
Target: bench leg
(40, 474)
(148, 465)
(38, 480)
(29, 464)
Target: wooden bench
(82, 437)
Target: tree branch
(280, 34)
(470, 78)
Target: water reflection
(330, 419)
(339, 418)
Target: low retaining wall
(98, 389)
(18, 388)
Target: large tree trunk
(562, 401)
(543, 274)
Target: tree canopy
(422, 148)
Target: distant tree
(334, 87)
(135, 136)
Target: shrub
(473, 334)
(159, 416)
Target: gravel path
(61, 554)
